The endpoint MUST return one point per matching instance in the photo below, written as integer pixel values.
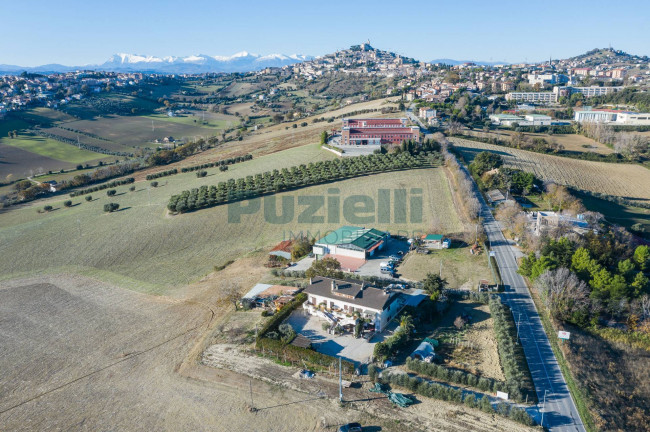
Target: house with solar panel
(351, 245)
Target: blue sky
(75, 32)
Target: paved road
(560, 413)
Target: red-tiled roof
(284, 246)
(392, 130)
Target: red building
(377, 131)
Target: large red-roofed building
(377, 131)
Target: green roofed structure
(352, 242)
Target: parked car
(350, 427)
(395, 258)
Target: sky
(75, 32)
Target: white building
(623, 118)
(538, 119)
(427, 113)
(533, 97)
(546, 79)
(633, 119)
(339, 300)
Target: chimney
(310, 282)
(363, 286)
(333, 286)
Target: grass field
(51, 149)
(618, 214)
(459, 267)
(625, 180)
(141, 248)
(195, 119)
(137, 131)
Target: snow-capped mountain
(200, 63)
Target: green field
(618, 214)
(52, 149)
(459, 266)
(195, 119)
(142, 248)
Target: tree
(640, 285)
(642, 257)
(111, 192)
(89, 198)
(323, 137)
(48, 208)
(565, 296)
(67, 203)
(154, 184)
(406, 324)
(485, 161)
(230, 292)
(111, 207)
(433, 284)
(328, 267)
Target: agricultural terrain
(572, 143)
(140, 247)
(629, 181)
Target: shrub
(111, 192)
(154, 184)
(111, 207)
(223, 168)
(282, 351)
(48, 208)
(67, 203)
(373, 372)
(132, 188)
(283, 313)
(201, 174)
(89, 197)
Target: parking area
(346, 345)
(372, 266)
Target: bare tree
(565, 296)
(230, 292)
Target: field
(473, 348)
(196, 119)
(460, 268)
(573, 143)
(141, 248)
(625, 180)
(83, 355)
(137, 131)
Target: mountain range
(194, 64)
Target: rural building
(537, 119)
(361, 132)
(547, 220)
(266, 294)
(282, 249)
(351, 244)
(427, 113)
(336, 299)
(435, 241)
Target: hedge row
(275, 321)
(511, 353)
(162, 174)
(388, 347)
(293, 178)
(443, 373)
(222, 162)
(112, 184)
(281, 351)
(450, 394)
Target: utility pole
(518, 321)
(340, 381)
(544, 408)
(250, 386)
(440, 268)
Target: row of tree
(112, 184)
(293, 178)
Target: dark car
(350, 427)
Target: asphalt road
(560, 412)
